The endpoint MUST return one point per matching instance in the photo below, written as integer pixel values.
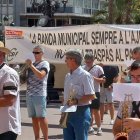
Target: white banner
(110, 44)
(123, 90)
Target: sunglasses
(36, 52)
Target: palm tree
(128, 15)
(110, 11)
(136, 11)
(118, 12)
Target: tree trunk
(110, 11)
(128, 11)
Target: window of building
(76, 22)
(0, 1)
(10, 1)
(4, 2)
(59, 22)
(32, 22)
(86, 11)
(10, 10)
(78, 3)
(87, 3)
(85, 21)
(70, 3)
(102, 4)
(78, 10)
(4, 10)
(95, 4)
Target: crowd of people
(92, 87)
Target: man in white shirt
(98, 77)
(10, 121)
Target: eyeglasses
(36, 52)
(87, 62)
(137, 77)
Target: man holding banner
(132, 123)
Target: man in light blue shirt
(80, 83)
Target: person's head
(73, 58)
(89, 59)
(38, 52)
(135, 72)
(136, 53)
(3, 52)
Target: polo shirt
(78, 83)
(96, 71)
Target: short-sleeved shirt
(10, 119)
(36, 86)
(96, 71)
(78, 83)
(135, 135)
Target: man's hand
(71, 102)
(28, 62)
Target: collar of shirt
(78, 71)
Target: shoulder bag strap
(91, 68)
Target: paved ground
(55, 132)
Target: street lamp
(64, 4)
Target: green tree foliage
(118, 12)
(136, 11)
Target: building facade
(27, 12)
(10, 8)
(74, 12)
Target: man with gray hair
(36, 92)
(80, 83)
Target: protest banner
(110, 44)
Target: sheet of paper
(67, 108)
(120, 90)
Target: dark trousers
(8, 136)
